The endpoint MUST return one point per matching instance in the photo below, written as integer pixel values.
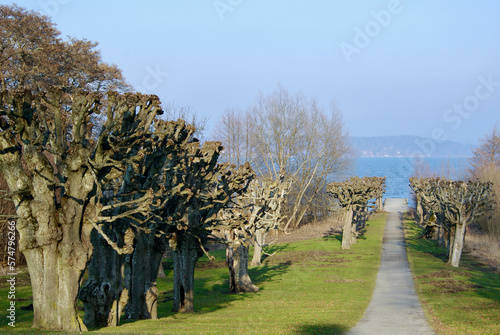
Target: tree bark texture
(450, 241)
(185, 255)
(103, 293)
(54, 289)
(420, 212)
(53, 240)
(141, 283)
(237, 262)
(457, 246)
(347, 229)
(260, 238)
(122, 282)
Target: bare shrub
(491, 225)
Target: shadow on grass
(338, 236)
(479, 278)
(267, 273)
(321, 329)
(274, 249)
(211, 291)
(422, 245)
(482, 279)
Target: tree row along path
(394, 308)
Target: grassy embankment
(307, 287)
(464, 300)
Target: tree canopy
(34, 56)
(291, 135)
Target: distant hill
(407, 146)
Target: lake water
(398, 170)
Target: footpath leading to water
(394, 308)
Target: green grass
(464, 300)
(307, 287)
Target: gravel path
(395, 308)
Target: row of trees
(447, 207)
(116, 199)
(100, 181)
(355, 196)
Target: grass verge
(307, 287)
(464, 300)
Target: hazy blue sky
(421, 67)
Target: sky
(394, 67)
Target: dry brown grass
(326, 227)
(315, 229)
(485, 247)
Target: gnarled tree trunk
(104, 295)
(237, 262)
(53, 240)
(141, 283)
(55, 286)
(102, 292)
(185, 255)
(260, 238)
(122, 282)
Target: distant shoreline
(408, 146)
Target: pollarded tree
(351, 194)
(254, 213)
(456, 204)
(375, 189)
(34, 56)
(425, 200)
(430, 210)
(123, 272)
(420, 208)
(201, 188)
(56, 173)
(273, 219)
(379, 190)
(463, 202)
(194, 188)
